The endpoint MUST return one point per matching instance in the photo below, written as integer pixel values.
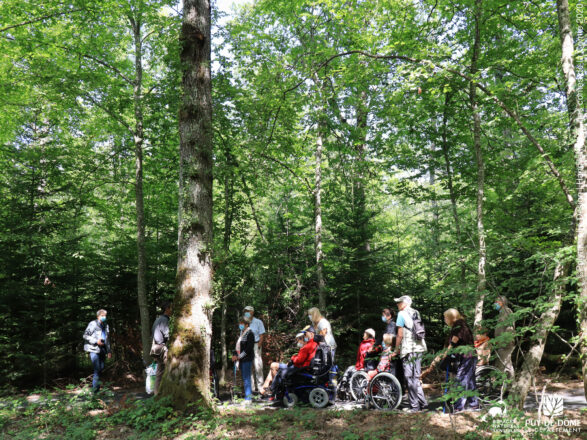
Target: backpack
(418, 329)
(322, 361)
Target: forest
(287, 155)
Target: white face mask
(310, 317)
(300, 344)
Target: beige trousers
(257, 370)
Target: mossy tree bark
(186, 378)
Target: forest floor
(128, 413)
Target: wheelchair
(313, 385)
(383, 391)
(352, 388)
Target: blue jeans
(466, 378)
(98, 360)
(246, 372)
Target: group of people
(399, 351)
(248, 353)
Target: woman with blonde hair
(322, 327)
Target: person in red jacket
(307, 352)
(365, 346)
(298, 361)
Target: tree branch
(35, 20)
(110, 113)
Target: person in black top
(461, 336)
(244, 354)
(387, 317)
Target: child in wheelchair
(386, 361)
(379, 387)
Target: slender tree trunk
(186, 377)
(527, 373)
(359, 203)
(224, 349)
(451, 190)
(578, 136)
(139, 140)
(434, 203)
(318, 222)
(228, 216)
(481, 279)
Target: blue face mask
(306, 339)
(383, 345)
(496, 306)
(241, 326)
(102, 319)
(247, 315)
(384, 319)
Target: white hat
(371, 332)
(404, 299)
(300, 335)
(250, 308)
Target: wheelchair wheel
(489, 381)
(358, 384)
(289, 400)
(385, 392)
(318, 398)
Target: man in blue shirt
(410, 350)
(258, 330)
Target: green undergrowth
(81, 416)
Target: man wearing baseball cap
(298, 361)
(258, 330)
(410, 351)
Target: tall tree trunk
(578, 136)
(481, 279)
(186, 377)
(318, 221)
(138, 140)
